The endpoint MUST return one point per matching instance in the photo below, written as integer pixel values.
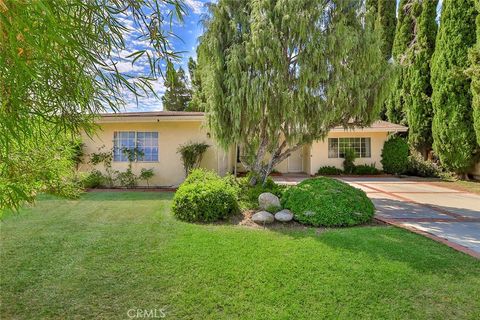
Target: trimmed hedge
(366, 169)
(329, 171)
(328, 202)
(395, 155)
(205, 197)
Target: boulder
(268, 199)
(284, 215)
(262, 217)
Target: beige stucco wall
(169, 168)
(319, 150)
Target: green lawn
(110, 252)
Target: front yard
(111, 252)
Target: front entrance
(295, 161)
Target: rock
(284, 215)
(268, 199)
(262, 217)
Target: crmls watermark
(139, 313)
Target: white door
(295, 161)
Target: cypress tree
(474, 72)
(418, 101)
(178, 95)
(452, 128)
(384, 17)
(196, 104)
(403, 37)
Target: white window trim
(136, 141)
(338, 147)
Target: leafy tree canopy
(57, 67)
(278, 75)
(178, 95)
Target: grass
(462, 185)
(110, 252)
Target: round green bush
(395, 155)
(206, 199)
(328, 202)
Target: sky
(185, 42)
(187, 33)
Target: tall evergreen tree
(418, 100)
(474, 72)
(177, 95)
(196, 104)
(453, 134)
(384, 17)
(403, 38)
(279, 75)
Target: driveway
(446, 215)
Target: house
(159, 134)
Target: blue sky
(187, 31)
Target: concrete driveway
(446, 215)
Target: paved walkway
(446, 215)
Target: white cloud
(196, 6)
(126, 67)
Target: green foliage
(205, 198)
(58, 67)
(93, 179)
(349, 160)
(418, 101)
(192, 154)
(417, 166)
(248, 195)
(146, 174)
(395, 155)
(105, 158)
(127, 178)
(474, 73)
(273, 209)
(30, 167)
(328, 202)
(383, 14)
(198, 100)
(329, 171)
(453, 135)
(270, 70)
(396, 109)
(177, 95)
(366, 169)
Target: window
(146, 142)
(337, 147)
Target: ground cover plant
(328, 202)
(112, 251)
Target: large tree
(383, 14)
(196, 104)
(395, 104)
(453, 134)
(474, 72)
(281, 74)
(177, 95)
(59, 67)
(418, 100)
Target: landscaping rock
(268, 199)
(262, 217)
(284, 215)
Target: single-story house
(159, 134)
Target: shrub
(205, 199)
(417, 166)
(328, 202)
(329, 171)
(349, 161)
(366, 169)
(93, 179)
(192, 154)
(248, 195)
(127, 178)
(395, 155)
(146, 174)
